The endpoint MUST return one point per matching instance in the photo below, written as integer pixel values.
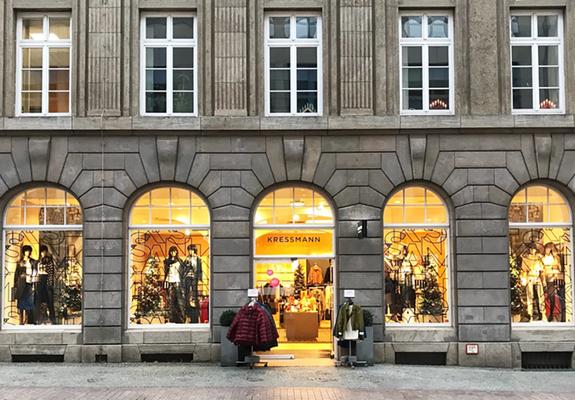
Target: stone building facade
(358, 152)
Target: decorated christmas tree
(149, 292)
(517, 305)
(431, 301)
(299, 281)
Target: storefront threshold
(42, 328)
(164, 328)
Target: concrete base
(492, 355)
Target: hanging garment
(315, 276)
(349, 316)
(205, 310)
(253, 326)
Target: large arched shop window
(294, 250)
(169, 258)
(540, 250)
(416, 254)
(42, 274)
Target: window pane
(32, 28)
(55, 197)
(183, 28)
(156, 28)
(280, 79)
(279, 102)
(306, 80)
(59, 58)
(521, 26)
(59, 102)
(32, 80)
(412, 78)
(183, 80)
(283, 215)
(555, 197)
(32, 58)
(438, 56)
(307, 102)
(413, 100)
(307, 57)
(36, 197)
(547, 25)
(414, 214)
(279, 57)
(279, 27)
(181, 216)
(14, 216)
(160, 216)
(34, 216)
(559, 213)
(156, 80)
(439, 99)
(184, 102)
(414, 195)
(393, 215)
(184, 57)
(140, 216)
(549, 77)
(438, 27)
(156, 102)
(59, 80)
(522, 99)
(522, 77)
(59, 28)
(31, 103)
(436, 215)
(156, 57)
(521, 55)
(306, 27)
(548, 55)
(161, 197)
(549, 99)
(411, 56)
(439, 77)
(411, 27)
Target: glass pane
(518, 213)
(32, 58)
(183, 28)
(59, 102)
(143, 200)
(31, 102)
(414, 214)
(161, 197)
(268, 200)
(559, 214)
(14, 216)
(59, 28)
(71, 201)
(412, 78)
(156, 28)
(73, 215)
(521, 26)
(411, 56)
(264, 215)
(393, 215)
(280, 57)
(413, 100)
(549, 77)
(33, 215)
(522, 99)
(280, 79)
(411, 27)
(438, 56)
(160, 216)
(547, 25)
(197, 201)
(439, 99)
(436, 215)
(306, 80)
(36, 197)
(59, 80)
(548, 55)
(307, 102)
(432, 198)
(522, 77)
(140, 216)
(414, 195)
(279, 27)
(520, 197)
(184, 80)
(32, 80)
(306, 27)
(184, 102)
(521, 55)
(32, 28)
(59, 58)
(439, 77)
(555, 197)
(280, 102)
(283, 215)
(537, 194)
(397, 199)
(184, 57)
(438, 27)
(156, 80)
(180, 197)
(18, 201)
(200, 216)
(156, 102)
(181, 216)
(307, 57)
(549, 99)
(156, 58)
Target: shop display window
(43, 252)
(540, 251)
(416, 255)
(169, 258)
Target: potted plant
(364, 350)
(228, 350)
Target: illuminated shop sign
(286, 243)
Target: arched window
(42, 259)
(169, 258)
(416, 255)
(540, 251)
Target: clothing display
(315, 276)
(532, 264)
(45, 285)
(254, 326)
(349, 324)
(175, 293)
(192, 275)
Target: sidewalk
(193, 381)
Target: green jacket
(344, 315)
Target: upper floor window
(426, 70)
(293, 65)
(537, 62)
(168, 60)
(43, 74)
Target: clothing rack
(251, 360)
(350, 360)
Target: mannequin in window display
(45, 285)
(192, 276)
(406, 280)
(24, 277)
(173, 283)
(328, 276)
(395, 255)
(72, 268)
(532, 278)
(553, 283)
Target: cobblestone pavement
(210, 382)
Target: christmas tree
(299, 281)
(431, 302)
(149, 293)
(517, 291)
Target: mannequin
(553, 277)
(173, 277)
(45, 285)
(192, 272)
(24, 276)
(328, 276)
(532, 266)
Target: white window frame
(169, 43)
(45, 44)
(425, 42)
(535, 42)
(293, 43)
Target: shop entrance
(294, 270)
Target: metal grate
(421, 358)
(168, 357)
(546, 360)
(38, 358)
